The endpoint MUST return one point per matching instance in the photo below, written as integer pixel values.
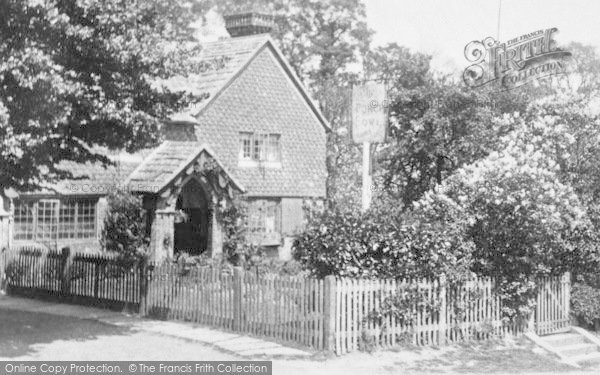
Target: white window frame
(264, 221)
(260, 149)
(83, 222)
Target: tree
(584, 69)
(434, 130)
(80, 74)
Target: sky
(443, 27)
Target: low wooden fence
(435, 313)
(340, 315)
(94, 279)
(286, 308)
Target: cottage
(257, 135)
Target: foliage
(274, 266)
(583, 70)
(80, 74)
(124, 229)
(401, 308)
(434, 130)
(232, 217)
(585, 303)
(404, 305)
(523, 222)
(188, 262)
(565, 129)
(382, 243)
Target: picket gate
(552, 312)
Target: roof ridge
(239, 38)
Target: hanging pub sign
(369, 113)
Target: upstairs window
(259, 147)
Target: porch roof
(169, 161)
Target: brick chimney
(248, 24)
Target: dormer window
(257, 148)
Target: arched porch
(181, 208)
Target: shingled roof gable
(227, 57)
(242, 51)
(296, 81)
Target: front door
(192, 220)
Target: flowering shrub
(523, 222)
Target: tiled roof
(234, 53)
(89, 178)
(166, 163)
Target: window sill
(257, 164)
(265, 239)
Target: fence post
(566, 278)
(97, 268)
(238, 279)
(143, 275)
(329, 314)
(532, 315)
(443, 312)
(65, 281)
(3, 263)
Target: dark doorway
(192, 223)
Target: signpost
(369, 125)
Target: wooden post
(443, 312)
(532, 314)
(3, 264)
(238, 279)
(96, 277)
(567, 302)
(65, 285)
(143, 284)
(366, 177)
(329, 314)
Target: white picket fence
(444, 313)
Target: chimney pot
(252, 23)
